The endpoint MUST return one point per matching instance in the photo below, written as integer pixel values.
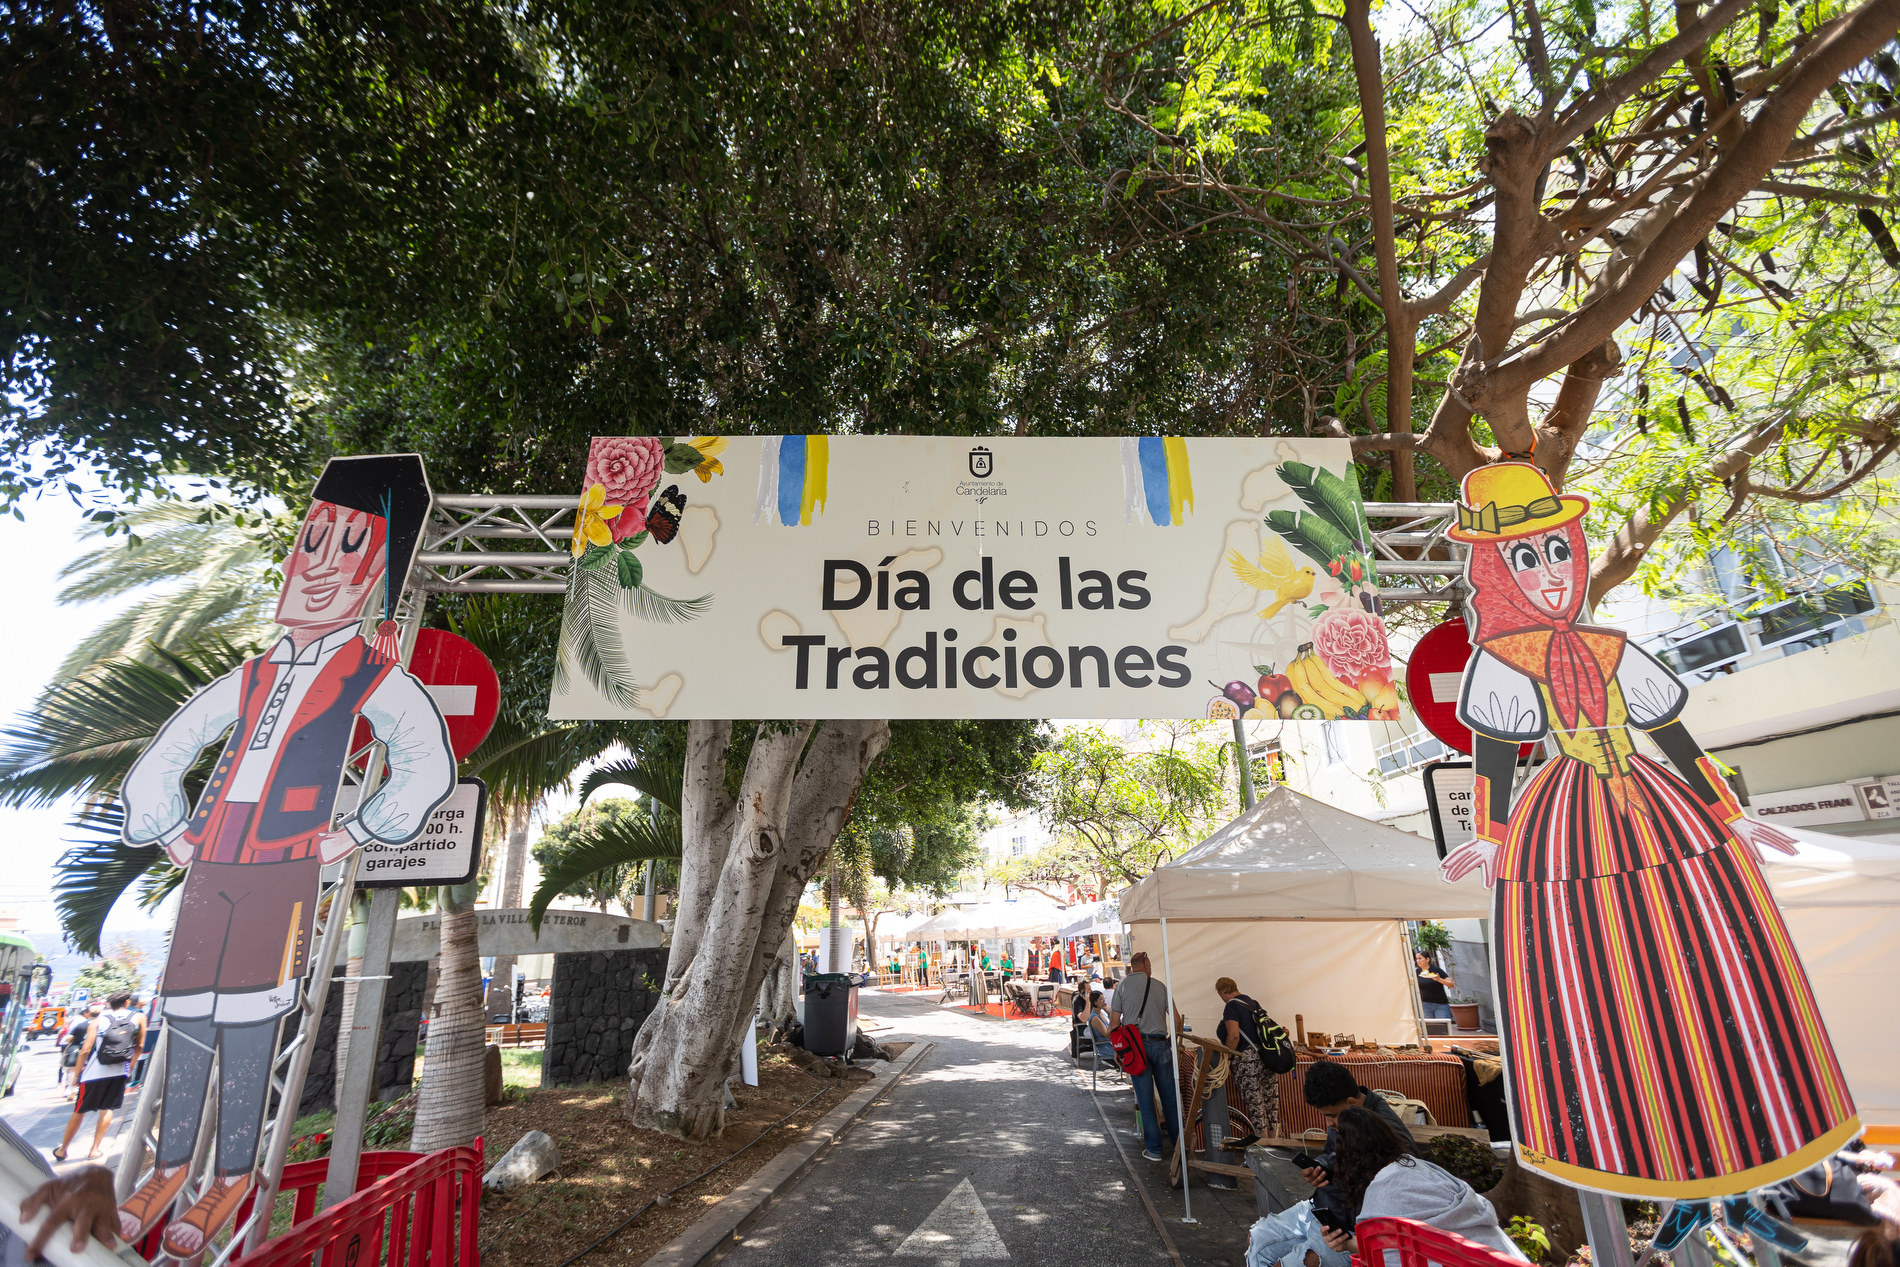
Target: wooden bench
(516, 1035)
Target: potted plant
(1464, 1014)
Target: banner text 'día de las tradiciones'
(921, 577)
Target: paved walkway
(990, 1149)
(38, 1108)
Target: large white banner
(920, 577)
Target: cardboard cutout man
(254, 845)
(1659, 1033)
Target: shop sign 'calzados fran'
(874, 576)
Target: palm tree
(615, 845)
(80, 738)
(523, 760)
(211, 564)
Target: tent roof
(1292, 857)
(1834, 871)
(1091, 918)
(993, 919)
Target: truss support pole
(357, 1090)
(138, 1138)
(1603, 1226)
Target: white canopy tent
(1841, 898)
(1091, 918)
(989, 920)
(1302, 904)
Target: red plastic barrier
(302, 1179)
(1421, 1245)
(413, 1209)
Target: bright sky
(35, 637)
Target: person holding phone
(1381, 1176)
(1295, 1237)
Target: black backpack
(1270, 1039)
(119, 1039)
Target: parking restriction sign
(446, 852)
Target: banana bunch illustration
(1323, 692)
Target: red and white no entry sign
(1433, 676)
(463, 683)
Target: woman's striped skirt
(1661, 1039)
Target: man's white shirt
(421, 765)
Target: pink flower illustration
(1352, 643)
(628, 467)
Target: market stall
(1840, 897)
(1304, 906)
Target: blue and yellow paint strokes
(1157, 486)
(794, 480)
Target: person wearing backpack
(105, 1060)
(1265, 1054)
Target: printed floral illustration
(1345, 671)
(622, 510)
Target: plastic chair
(1407, 1243)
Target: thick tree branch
(1601, 104)
(1734, 175)
(1400, 327)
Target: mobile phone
(1304, 1162)
(1328, 1219)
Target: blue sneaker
(1743, 1216)
(1683, 1218)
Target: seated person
(1293, 1237)
(1097, 1022)
(1383, 1177)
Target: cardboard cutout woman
(1659, 1034)
(262, 830)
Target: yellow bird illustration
(1274, 574)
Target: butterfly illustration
(663, 521)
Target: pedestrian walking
(1144, 1002)
(105, 1060)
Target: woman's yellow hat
(1512, 499)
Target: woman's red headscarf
(1576, 666)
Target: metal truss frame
(480, 544)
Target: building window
(1018, 846)
(1333, 741)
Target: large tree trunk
(450, 1104)
(501, 987)
(746, 862)
(778, 996)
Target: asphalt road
(990, 1150)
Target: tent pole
(1183, 1142)
(1246, 771)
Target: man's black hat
(393, 485)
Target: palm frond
(590, 637)
(95, 873)
(83, 734)
(524, 766)
(658, 609)
(657, 777)
(615, 845)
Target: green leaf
(630, 569)
(596, 556)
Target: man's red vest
(300, 791)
